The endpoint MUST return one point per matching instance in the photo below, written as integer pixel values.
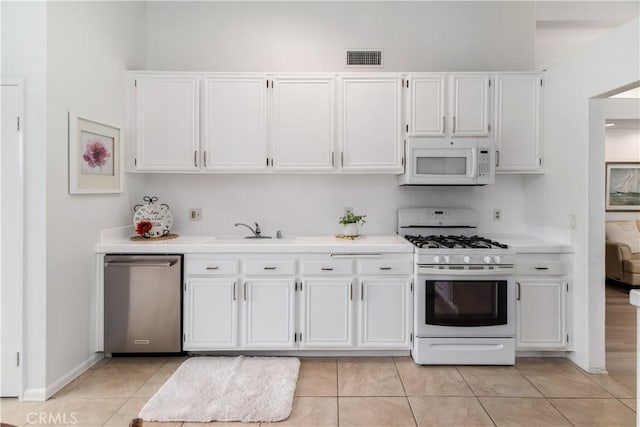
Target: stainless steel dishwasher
(142, 303)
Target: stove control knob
(436, 259)
(487, 259)
(497, 259)
(466, 259)
(446, 259)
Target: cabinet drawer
(275, 267)
(541, 268)
(385, 267)
(320, 268)
(209, 266)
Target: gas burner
(454, 242)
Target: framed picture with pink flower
(95, 151)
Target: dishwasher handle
(142, 263)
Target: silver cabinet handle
(454, 125)
(212, 268)
(444, 124)
(355, 255)
(195, 158)
(234, 290)
(517, 291)
(332, 159)
(361, 291)
(326, 268)
(205, 158)
(245, 291)
(351, 291)
(342, 158)
(271, 268)
(497, 158)
(541, 268)
(385, 268)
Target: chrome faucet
(256, 232)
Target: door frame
(19, 245)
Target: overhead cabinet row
(191, 122)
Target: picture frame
(95, 157)
(622, 187)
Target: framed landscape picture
(623, 186)
(94, 157)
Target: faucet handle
(258, 231)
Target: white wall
(311, 204)
(313, 36)
(574, 183)
(90, 45)
(622, 145)
(24, 43)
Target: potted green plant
(350, 222)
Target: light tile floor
(362, 392)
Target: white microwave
(449, 161)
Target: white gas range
(464, 303)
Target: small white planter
(350, 229)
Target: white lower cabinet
(306, 301)
(541, 314)
(385, 313)
(326, 315)
(210, 314)
(542, 302)
(269, 313)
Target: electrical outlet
(573, 221)
(347, 209)
(195, 214)
(497, 214)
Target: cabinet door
(426, 105)
(234, 123)
(326, 313)
(303, 123)
(517, 122)
(385, 315)
(470, 105)
(210, 314)
(370, 124)
(541, 314)
(269, 313)
(167, 122)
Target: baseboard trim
(57, 385)
(34, 395)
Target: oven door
(459, 301)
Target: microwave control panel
(484, 160)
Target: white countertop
(117, 241)
(634, 298)
(524, 243)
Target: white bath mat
(205, 389)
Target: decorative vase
(351, 229)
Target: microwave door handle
(473, 163)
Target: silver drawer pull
(271, 268)
(139, 264)
(326, 268)
(213, 268)
(385, 268)
(541, 268)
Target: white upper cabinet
(469, 106)
(517, 116)
(166, 122)
(369, 112)
(303, 123)
(426, 112)
(234, 124)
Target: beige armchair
(622, 253)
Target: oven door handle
(502, 271)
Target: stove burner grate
(454, 242)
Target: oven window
(441, 166)
(466, 303)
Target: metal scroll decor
(151, 219)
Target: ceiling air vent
(364, 58)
